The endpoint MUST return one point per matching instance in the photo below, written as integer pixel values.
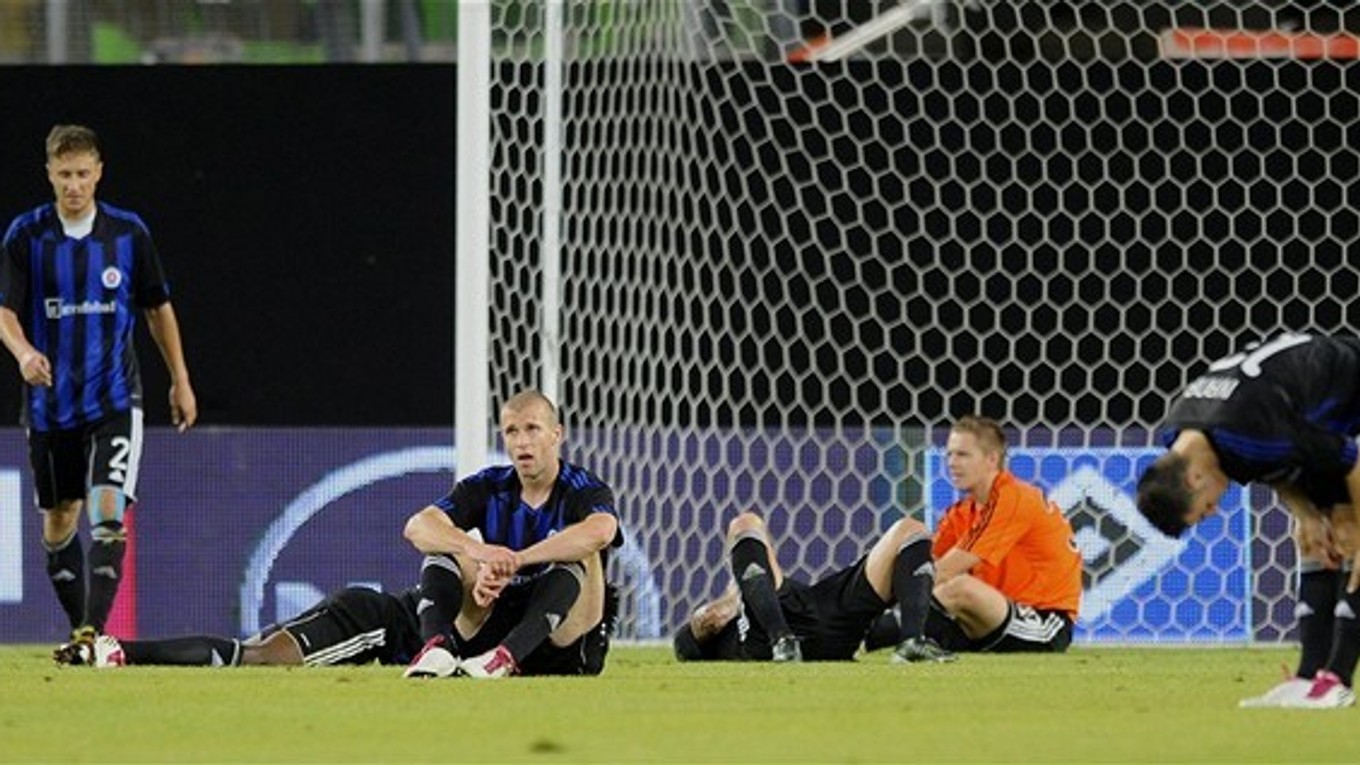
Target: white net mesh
(782, 279)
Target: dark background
(305, 217)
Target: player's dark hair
(1163, 497)
(70, 139)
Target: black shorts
(356, 625)
(584, 656)
(829, 617)
(66, 463)
(1025, 630)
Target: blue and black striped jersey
(77, 300)
(489, 501)
(1285, 410)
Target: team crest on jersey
(112, 277)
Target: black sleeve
(150, 287)
(14, 274)
(585, 502)
(466, 504)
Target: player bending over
(1284, 413)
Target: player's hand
(488, 587)
(183, 406)
(502, 562)
(710, 618)
(36, 369)
(1315, 540)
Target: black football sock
(751, 569)
(66, 569)
(1346, 637)
(108, 545)
(554, 594)
(1318, 592)
(441, 598)
(913, 578)
(196, 651)
(883, 632)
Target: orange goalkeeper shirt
(1025, 544)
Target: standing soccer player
(1283, 413)
(527, 592)
(73, 275)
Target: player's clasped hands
(496, 566)
(488, 586)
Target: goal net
(789, 241)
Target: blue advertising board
(235, 529)
(1139, 585)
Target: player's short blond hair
(72, 139)
(526, 398)
(987, 432)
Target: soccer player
(356, 625)
(73, 275)
(529, 594)
(1007, 569)
(1283, 413)
(767, 616)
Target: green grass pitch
(1090, 705)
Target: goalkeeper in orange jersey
(1007, 570)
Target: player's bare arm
(33, 365)
(165, 331)
(954, 563)
(431, 531)
(576, 542)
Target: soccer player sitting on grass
(529, 596)
(767, 616)
(1284, 413)
(1007, 570)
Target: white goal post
(761, 276)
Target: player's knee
(745, 523)
(1347, 538)
(955, 594)
(59, 523)
(905, 528)
(106, 503)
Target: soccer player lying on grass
(1007, 570)
(529, 596)
(356, 625)
(1284, 413)
(767, 616)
